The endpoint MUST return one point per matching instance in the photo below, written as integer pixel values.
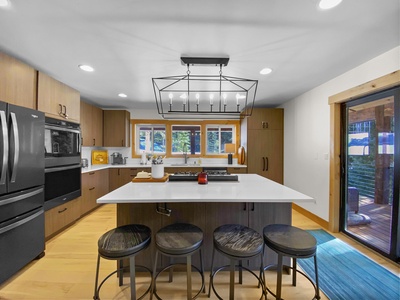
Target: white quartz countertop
(249, 188)
(139, 166)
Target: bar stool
(120, 243)
(287, 240)
(179, 240)
(237, 242)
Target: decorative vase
(157, 171)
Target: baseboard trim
(311, 216)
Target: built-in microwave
(62, 143)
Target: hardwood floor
(67, 270)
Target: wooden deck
(376, 233)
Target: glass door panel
(370, 179)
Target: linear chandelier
(204, 96)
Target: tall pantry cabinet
(262, 138)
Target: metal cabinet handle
(65, 112)
(253, 206)
(91, 189)
(61, 211)
(60, 112)
(91, 173)
(94, 142)
(122, 143)
(16, 147)
(263, 163)
(5, 147)
(266, 165)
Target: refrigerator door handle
(16, 148)
(5, 147)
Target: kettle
(116, 159)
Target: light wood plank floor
(67, 271)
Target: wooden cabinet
(17, 82)
(61, 216)
(121, 176)
(232, 170)
(58, 100)
(116, 128)
(94, 185)
(265, 118)
(91, 125)
(264, 146)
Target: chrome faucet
(185, 155)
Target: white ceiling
(130, 41)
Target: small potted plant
(157, 166)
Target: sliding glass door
(371, 171)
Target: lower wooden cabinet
(94, 185)
(121, 176)
(61, 216)
(233, 170)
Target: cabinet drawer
(237, 170)
(61, 216)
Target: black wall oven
(62, 162)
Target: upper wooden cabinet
(91, 125)
(266, 118)
(17, 82)
(116, 128)
(264, 143)
(58, 100)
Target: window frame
(219, 126)
(168, 132)
(136, 138)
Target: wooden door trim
(373, 86)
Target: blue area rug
(346, 274)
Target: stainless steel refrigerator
(21, 187)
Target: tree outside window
(217, 137)
(186, 139)
(151, 139)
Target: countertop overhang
(249, 188)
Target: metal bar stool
(237, 242)
(287, 240)
(179, 240)
(120, 243)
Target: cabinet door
(265, 153)
(56, 98)
(88, 192)
(61, 216)
(101, 184)
(97, 126)
(116, 124)
(86, 124)
(266, 118)
(17, 82)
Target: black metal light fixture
(204, 96)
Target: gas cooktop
(214, 175)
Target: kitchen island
(253, 201)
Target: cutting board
(99, 157)
(151, 179)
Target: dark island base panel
(207, 216)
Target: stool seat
(124, 241)
(290, 240)
(237, 240)
(179, 238)
(296, 243)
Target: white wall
(307, 125)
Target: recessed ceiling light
(86, 68)
(122, 95)
(328, 4)
(4, 3)
(265, 71)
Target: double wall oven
(62, 144)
